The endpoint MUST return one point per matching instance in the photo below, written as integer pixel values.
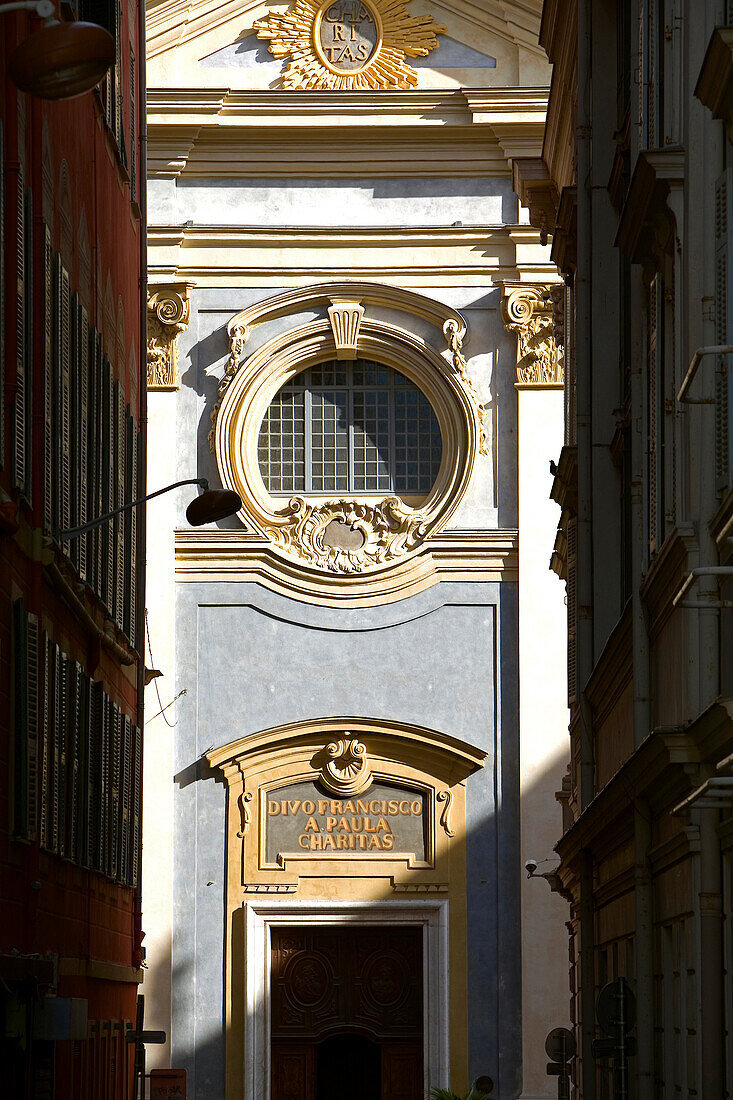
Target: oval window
(350, 428)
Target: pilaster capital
(169, 312)
(527, 309)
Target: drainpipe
(584, 602)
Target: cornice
(714, 86)
(644, 227)
(248, 134)
(454, 555)
(416, 256)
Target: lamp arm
(75, 532)
(44, 9)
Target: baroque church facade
(357, 738)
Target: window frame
(302, 383)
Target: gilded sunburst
(349, 44)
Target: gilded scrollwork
(238, 335)
(454, 335)
(447, 797)
(528, 312)
(169, 312)
(348, 536)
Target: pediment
(201, 43)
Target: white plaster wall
(157, 883)
(544, 739)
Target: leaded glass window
(343, 427)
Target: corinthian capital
(527, 311)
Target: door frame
(261, 917)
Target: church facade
(357, 738)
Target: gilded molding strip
(528, 311)
(348, 44)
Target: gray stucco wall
(250, 659)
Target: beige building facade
(350, 326)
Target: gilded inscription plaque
(387, 819)
(347, 35)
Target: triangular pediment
(194, 43)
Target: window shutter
(114, 796)
(2, 296)
(120, 499)
(107, 468)
(137, 801)
(62, 394)
(82, 440)
(104, 788)
(133, 129)
(653, 358)
(46, 766)
(94, 776)
(95, 454)
(571, 535)
(18, 469)
(126, 800)
(25, 721)
(73, 701)
(82, 818)
(723, 327)
(130, 585)
(74, 416)
(119, 84)
(49, 521)
(62, 740)
(55, 749)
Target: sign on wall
(303, 820)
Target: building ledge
(647, 223)
(714, 86)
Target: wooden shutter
(119, 82)
(130, 585)
(2, 296)
(137, 805)
(655, 329)
(105, 786)
(82, 818)
(95, 458)
(46, 765)
(62, 741)
(18, 452)
(126, 766)
(108, 483)
(120, 499)
(133, 129)
(55, 749)
(73, 703)
(49, 516)
(723, 328)
(114, 800)
(79, 441)
(94, 776)
(62, 394)
(571, 534)
(25, 722)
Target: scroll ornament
(528, 312)
(346, 771)
(454, 335)
(348, 536)
(169, 312)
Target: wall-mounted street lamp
(210, 506)
(61, 60)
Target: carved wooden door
(347, 1012)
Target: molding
(99, 970)
(389, 528)
(537, 192)
(302, 33)
(169, 313)
(224, 133)
(479, 557)
(647, 227)
(243, 256)
(528, 312)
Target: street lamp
(61, 60)
(210, 506)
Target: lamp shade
(212, 505)
(62, 60)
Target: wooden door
(347, 1013)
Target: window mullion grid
(350, 399)
(308, 410)
(391, 425)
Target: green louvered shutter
(62, 394)
(56, 745)
(137, 802)
(106, 792)
(94, 777)
(62, 738)
(126, 800)
(130, 530)
(73, 702)
(85, 694)
(133, 128)
(108, 485)
(116, 779)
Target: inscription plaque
(347, 35)
(301, 819)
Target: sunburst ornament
(349, 44)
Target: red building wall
(71, 444)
